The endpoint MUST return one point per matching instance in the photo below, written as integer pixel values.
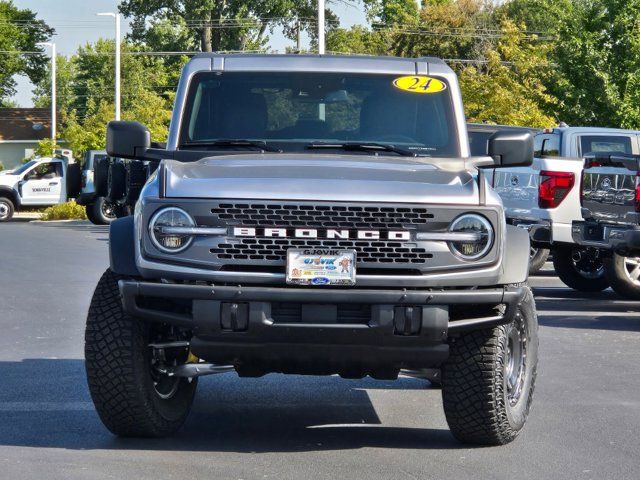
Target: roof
(26, 124)
(593, 130)
(491, 127)
(334, 63)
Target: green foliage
(1, 166)
(45, 148)
(65, 75)
(20, 30)
(357, 39)
(215, 25)
(64, 211)
(509, 89)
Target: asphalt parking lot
(584, 424)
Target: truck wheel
(133, 398)
(580, 268)
(6, 209)
(101, 212)
(623, 274)
(537, 259)
(489, 378)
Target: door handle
(53, 183)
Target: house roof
(25, 124)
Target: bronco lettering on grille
(327, 233)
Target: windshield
(24, 168)
(293, 110)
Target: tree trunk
(205, 35)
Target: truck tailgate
(519, 190)
(609, 189)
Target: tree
(65, 76)
(597, 57)
(217, 25)
(86, 93)
(509, 89)
(89, 132)
(20, 30)
(358, 40)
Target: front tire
(623, 274)
(101, 212)
(130, 398)
(580, 268)
(489, 378)
(6, 209)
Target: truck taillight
(554, 187)
(638, 192)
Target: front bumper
(300, 330)
(621, 239)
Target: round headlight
(479, 242)
(167, 229)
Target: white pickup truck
(545, 197)
(41, 182)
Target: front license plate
(321, 266)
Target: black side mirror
(511, 149)
(127, 139)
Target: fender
(122, 252)
(516, 256)
(11, 195)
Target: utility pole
(53, 87)
(321, 27)
(116, 17)
(298, 38)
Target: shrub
(65, 211)
(1, 166)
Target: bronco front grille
(382, 251)
(326, 216)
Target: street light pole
(321, 27)
(53, 87)
(116, 17)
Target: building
(20, 131)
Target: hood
(8, 180)
(345, 178)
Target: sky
(76, 23)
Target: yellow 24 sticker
(419, 84)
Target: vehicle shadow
(566, 308)
(76, 227)
(46, 404)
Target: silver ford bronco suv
(315, 215)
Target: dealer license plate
(321, 266)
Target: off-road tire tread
(115, 376)
(473, 387)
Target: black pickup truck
(610, 196)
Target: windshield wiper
(364, 147)
(232, 142)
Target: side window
(45, 171)
(478, 143)
(546, 145)
(604, 143)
